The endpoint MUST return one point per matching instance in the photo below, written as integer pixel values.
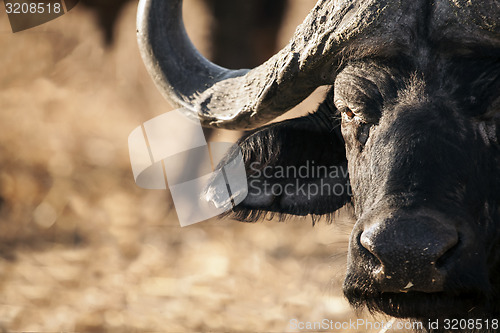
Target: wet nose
(410, 253)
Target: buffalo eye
(359, 127)
(345, 110)
(349, 114)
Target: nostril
(398, 247)
(407, 252)
(448, 253)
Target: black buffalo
(413, 113)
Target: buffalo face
(422, 149)
(424, 163)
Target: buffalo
(408, 137)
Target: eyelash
(363, 129)
(347, 112)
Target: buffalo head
(413, 113)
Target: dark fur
(417, 147)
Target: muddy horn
(244, 99)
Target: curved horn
(244, 99)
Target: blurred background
(82, 248)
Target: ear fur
(295, 167)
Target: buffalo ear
(295, 167)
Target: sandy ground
(82, 248)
